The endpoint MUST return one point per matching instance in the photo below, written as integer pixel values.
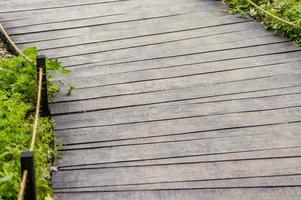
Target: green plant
(18, 87)
(281, 16)
(70, 89)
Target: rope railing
(12, 46)
(23, 185)
(34, 134)
(28, 184)
(37, 113)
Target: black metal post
(27, 163)
(41, 64)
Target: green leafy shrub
(288, 10)
(18, 86)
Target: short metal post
(27, 163)
(41, 64)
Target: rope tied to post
(34, 133)
(37, 113)
(23, 185)
(42, 101)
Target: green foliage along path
(18, 86)
(282, 16)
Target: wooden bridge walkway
(174, 99)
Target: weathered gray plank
(206, 53)
(107, 134)
(20, 6)
(279, 193)
(198, 77)
(165, 68)
(49, 8)
(131, 135)
(259, 182)
(98, 142)
(140, 115)
(259, 154)
(115, 38)
(132, 28)
(135, 44)
(99, 99)
(123, 10)
(187, 172)
(188, 125)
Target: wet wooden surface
(174, 99)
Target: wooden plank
(159, 40)
(149, 114)
(203, 56)
(260, 154)
(90, 12)
(34, 7)
(167, 73)
(97, 141)
(131, 72)
(114, 38)
(49, 7)
(280, 193)
(259, 182)
(198, 77)
(215, 123)
(206, 52)
(112, 18)
(186, 22)
(162, 42)
(187, 172)
(133, 17)
(107, 134)
(102, 100)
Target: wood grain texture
(174, 99)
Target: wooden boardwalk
(175, 99)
